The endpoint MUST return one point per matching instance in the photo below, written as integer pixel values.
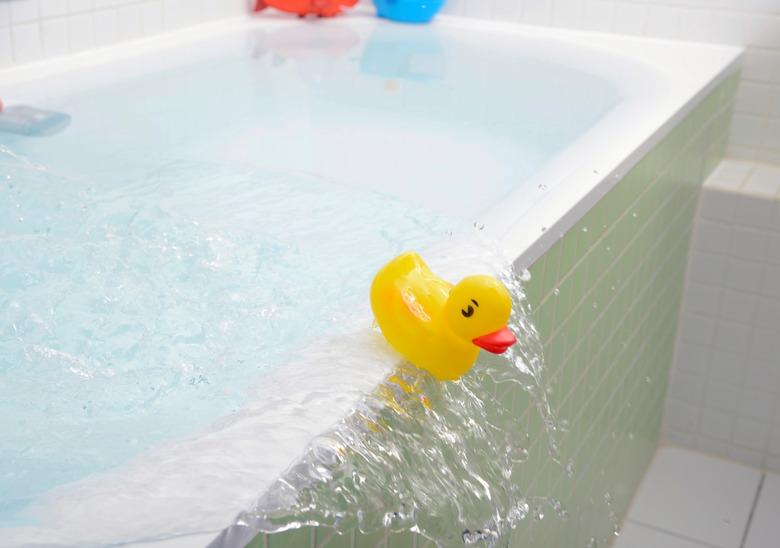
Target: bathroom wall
(755, 133)
(724, 395)
(31, 30)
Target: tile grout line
(753, 510)
(671, 533)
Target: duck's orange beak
(496, 342)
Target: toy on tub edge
(320, 8)
(408, 11)
(438, 326)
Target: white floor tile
(697, 497)
(637, 536)
(765, 527)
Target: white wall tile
(131, 22)
(55, 37)
(5, 14)
(599, 15)
(765, 344)
(6, 52)
(748, 243)
(727, 366)
(703, 299)
(662, 21)
(52, 8)
(743, 275)
(739, 371)
(713, 237)
(538, 12)
(152, 18)
(707, 268)
(568, 13)
(762, 375)
(773, 249)
(106, 26)
(69, 26)
(695, 24)
(27, 44)
(752, 435)
(629, 18)
(738, 305)
(81, 29)
(770, 285)
(24, 11)
(697, 329)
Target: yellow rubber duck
(435, 325)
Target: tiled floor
(689, 500)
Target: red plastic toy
(320, 8)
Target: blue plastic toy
(408, 11)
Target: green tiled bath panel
(605, 300)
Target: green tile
(329, 538)
(372, 540)
(296, 538)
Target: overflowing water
(121, 308)
(440, 458)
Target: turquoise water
(192, 227)
(137, 311)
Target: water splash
(439, 458)
(128, 296)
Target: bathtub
(517, 131)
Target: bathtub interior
(334, 101)
(253, 192)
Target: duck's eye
(475, 303)
(468, 312)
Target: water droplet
(570, 469)
(517, 454)
(585, 229)
(558, 508)
(518, 513)
(542, 187)
(525, 275)
(631, 436)
(591, 543)
(556, 291)
(595, 306)
(539, 513)
(634, 215)
(544, 229)
(648, 380)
